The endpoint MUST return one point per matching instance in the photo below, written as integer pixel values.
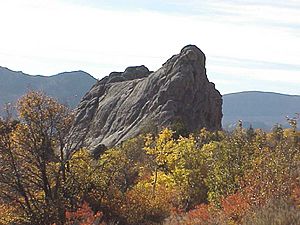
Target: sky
(249, 44)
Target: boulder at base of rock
(121, 105)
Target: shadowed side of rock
(120, 105)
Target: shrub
(275, 212)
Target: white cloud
(47, 37)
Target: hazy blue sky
(249, 44)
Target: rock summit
(121, 105)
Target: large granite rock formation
(120, 105)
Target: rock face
(121, 105)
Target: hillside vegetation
(244, 177)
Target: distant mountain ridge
(67, 87)
(260, 109)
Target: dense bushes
(243, 177)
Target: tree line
(171, 177)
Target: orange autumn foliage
(201, 212)
(235, 206)
(296, 195)
(84, 216)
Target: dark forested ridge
(261, 109)
(67, 87)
